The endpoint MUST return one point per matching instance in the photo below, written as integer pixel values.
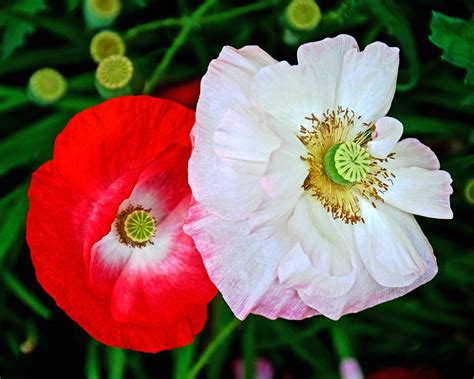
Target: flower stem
(221, 16)
(341, 340)
(206, 355)
(177, 43)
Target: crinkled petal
(368, 79)
(412, 153)
(281, 189)
(388, 131)
(321, 265)
(242, 265)
(392, 246)
(421, 192)
(291, 93)
(225, 85)
(244, 142)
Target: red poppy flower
(105, 225)
(186, 93)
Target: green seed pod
(101, 13)
(114, 77)
(105, 44)
(469, 191)
(46, 86)
(303, 14)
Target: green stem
(92, 361)
(206, 355)
(169, 22)
(152, 26)
(177, 43)
(24, 295)
(236, 12)
(341, 341)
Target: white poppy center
(340, 168)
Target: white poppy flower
(303, 193)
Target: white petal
(281, 189)
(291, 93)
(368, 80)
(226, 84)
(392, 245)
(326, 54)
(412, 153)
(322, 265)
(288, 93)
(242, 265)
(244, 142)
(388, 131)
(421, 192)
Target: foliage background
(431, 327)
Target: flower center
(135, 226)
(340, 168)
(346, 163)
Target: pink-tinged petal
(368, 79)
(244, 142)
(241, 264)
(226, 84)
(412, 153)
(392, 246)
(282, 302)
(421, 192)
(388, 131)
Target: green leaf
(14, 35)
(23, 294)
(13, 207)
(33, 142)
(29, 6)
(72, 4)
(456, 37)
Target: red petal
(186, 93)
(73, 202)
